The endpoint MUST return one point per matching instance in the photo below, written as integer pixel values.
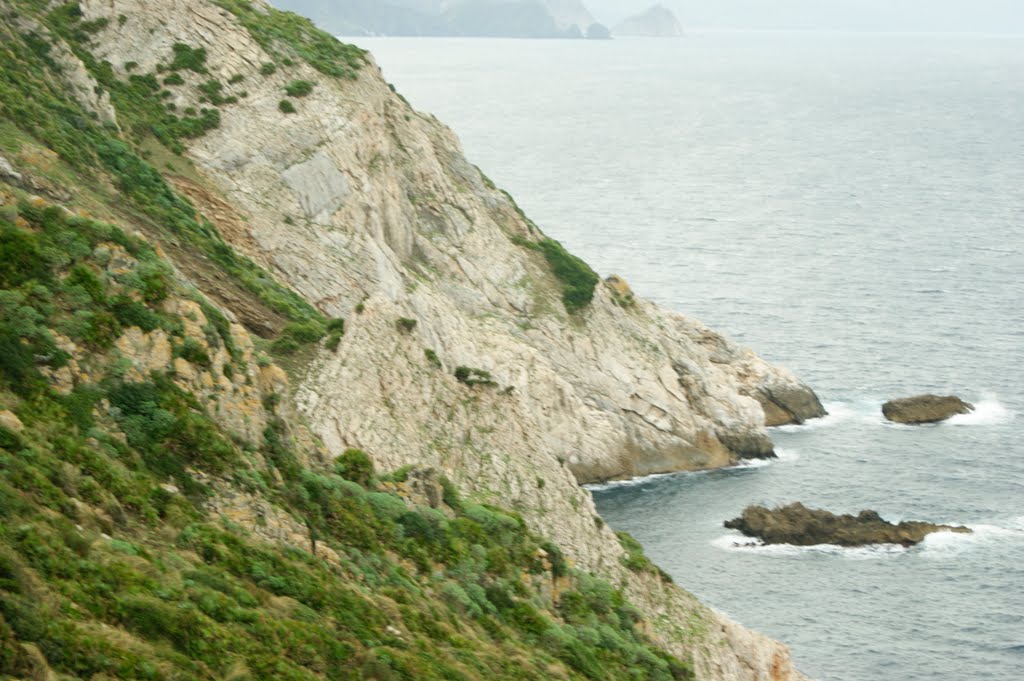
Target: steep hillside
(299, 208)
(164, 516)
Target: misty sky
(1000, 16)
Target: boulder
(801, 526)
(786, 404)
(10, 421)
(925, 409)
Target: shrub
(174, 79)
(298, 88)
(187, 58)
(471, 376)
(286, 107)
(131, 312)
(354, 465)
(211, 91)
(297, 334)
(191, 350)
(21, 259)
(432, 357)
(268, 69)
(335, 330)
(578, 280)
(405, 325)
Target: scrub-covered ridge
(289, 389)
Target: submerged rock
(925, 409)
(801, 526)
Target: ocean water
(850, 206)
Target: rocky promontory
(925, 409)
(801, 526)
(656, 22)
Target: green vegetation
(405, 325)
(297, 334)
(31, 98)
(283, 33)
(298, 88)
(472, 377)
(286, 107)
(112, 566)
(335, 330)
(577, 279)
(268, 69)
(432, 357)
(635, 558)
(185, 57)
(118, 559)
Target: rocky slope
(473, 344)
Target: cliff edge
(473, 343)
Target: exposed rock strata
(925, 409)
(357, 200)
(801, 526)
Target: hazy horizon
(967, 16)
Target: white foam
(946, 544)
(752, 463)
(781, 456)
(987, 411)
(739, 543)
(838, 412)
(631, 482)
(787, 455)
(935, 545)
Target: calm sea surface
(851, 206)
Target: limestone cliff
(369, 211)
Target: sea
(850, 206)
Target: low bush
(354, 465)
(472, 377)
(298, 88)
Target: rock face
(371, 212)
(656, 22)
(925, 409)
(801, 526)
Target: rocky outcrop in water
(801, 526)
(925, 409)
(784, 406)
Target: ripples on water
(851, 206)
